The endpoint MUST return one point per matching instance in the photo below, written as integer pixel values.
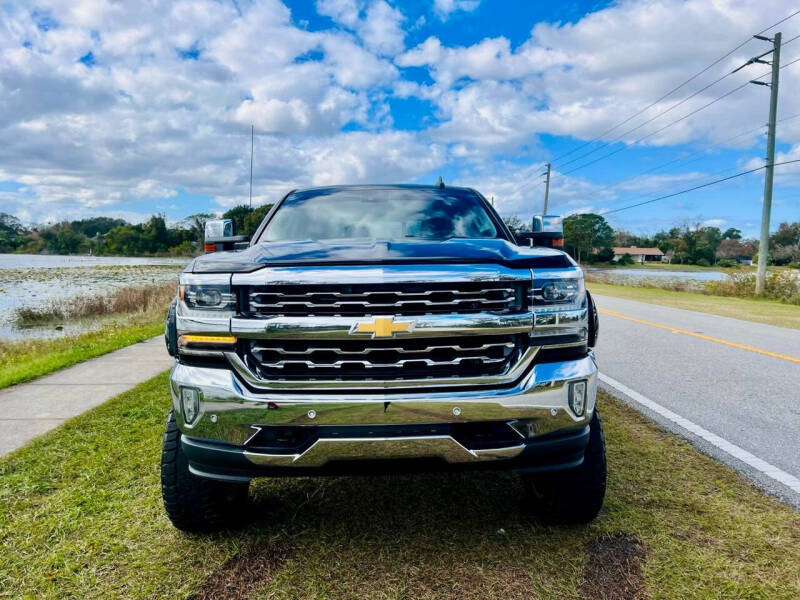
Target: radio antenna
(252, 139)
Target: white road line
(741, 454)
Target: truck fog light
(577, 397)
(190, 403)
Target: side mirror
(548, 231)
(219, 236)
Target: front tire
(193, 503)
(576, 495)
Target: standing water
(32, 281)
(637, 275)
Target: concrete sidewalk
(31, 409)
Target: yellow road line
(709, 338)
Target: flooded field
(634, 275)
(30, 281)
(781, 284)
(661, 274)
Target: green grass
(770, 312)
(25, 360)
(81, 516)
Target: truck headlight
(558, 290)
(207, 292)
(561, 290)
(208, 297)
(558, 301)
(206, 304)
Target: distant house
(741, 251)
(639, 255)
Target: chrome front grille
(406, 299)
(374, 359)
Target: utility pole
(252, 140)
(763, 247)
(546, 188)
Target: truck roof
(388, 186)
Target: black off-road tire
(192, 503)
(575, 495)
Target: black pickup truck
(381, 329)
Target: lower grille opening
(298, 438)
(389, 359)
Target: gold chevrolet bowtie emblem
(382, 327)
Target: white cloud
(360, 157)
(519, 190)
(346, 12)
(353, 66)
(381, 30)
(377, 24)
(579, 78)
(444, 8)
(174, 87)
(142, 122)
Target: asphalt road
(738, 380)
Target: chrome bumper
(231, 413)
(325, 450)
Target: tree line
(590, 239)
(587, 237)
(117, 237)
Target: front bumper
(348, 431)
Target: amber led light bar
(192, 339)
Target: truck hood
(334, 253)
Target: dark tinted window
(380, 214)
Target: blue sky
(134, 108)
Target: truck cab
(381, 329)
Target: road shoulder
(768, 484)
(768, 312)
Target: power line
(650, 120)
(789, 41)
(651, 134)
(779, 22)
(681, 159)
(668, 125)
(672, 91)
(663, 112)
(685, 160)
(691, 157)
(789, 118)
(697, 187)
(787, 64)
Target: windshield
(380, 214)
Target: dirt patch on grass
(613, 568)
(244, 574)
